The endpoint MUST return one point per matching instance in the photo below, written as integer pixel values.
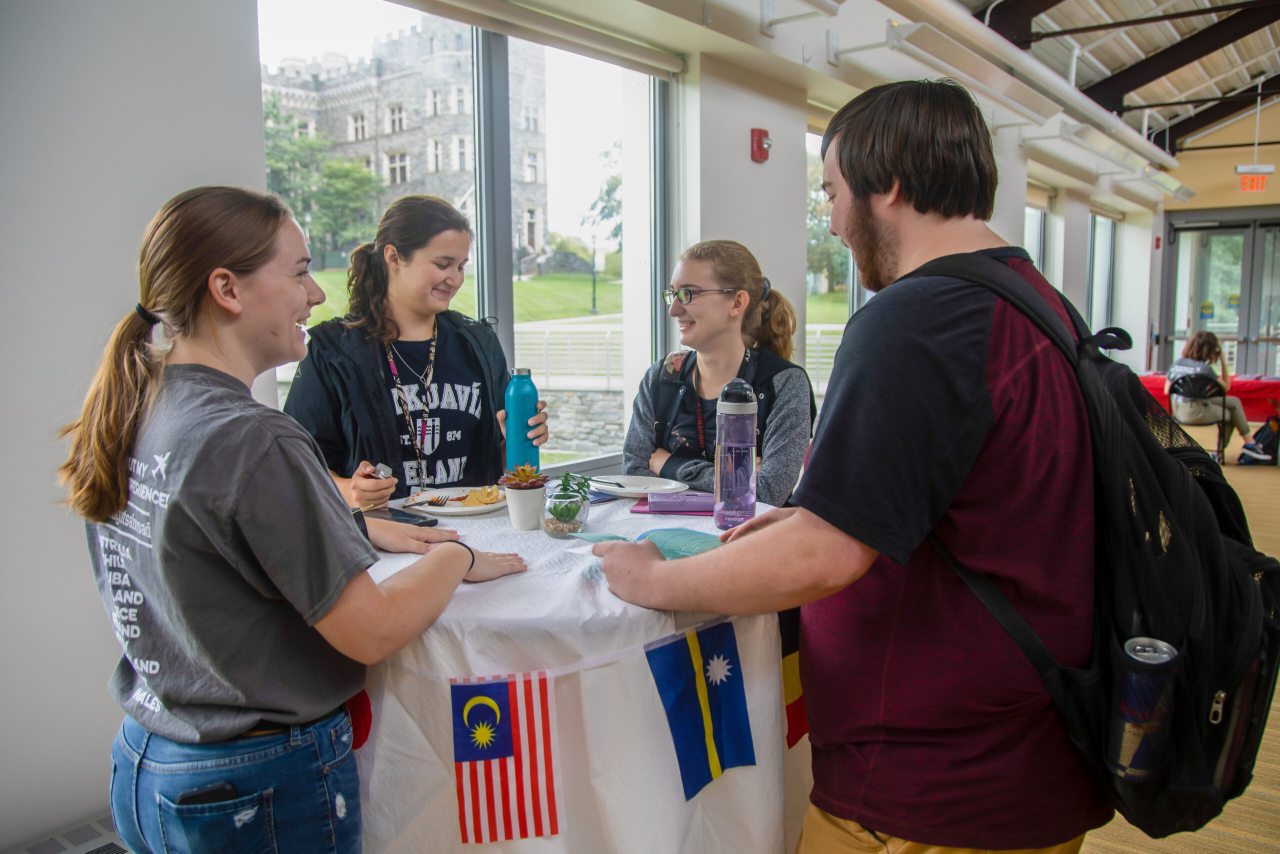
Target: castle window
(433, 104)
(356, 128)
(395, 119)
(533, 167)
(531, 118)
(461, 100)
(397, 169)
(463, 157)
(435, 154)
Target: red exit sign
(1253, 183)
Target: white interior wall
(1008, 219)
(1131, 309)
(1068, 252)
(113, 108)
(760, 205)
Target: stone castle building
(406, 114)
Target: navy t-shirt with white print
(453, 407)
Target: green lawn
(557, 296)
(538, 298)
(827, 308)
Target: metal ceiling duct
(958, 22)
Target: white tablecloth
(620, 787)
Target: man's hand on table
(408, 539)
(628, 567)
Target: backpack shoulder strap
(665, 392)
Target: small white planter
(525, 507)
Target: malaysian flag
(504, 757)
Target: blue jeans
(297, 790)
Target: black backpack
(1175, 562)
(668, 389)
(1268, 439)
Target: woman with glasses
(736, 325)
(402, 380)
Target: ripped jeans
(297, 790)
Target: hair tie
(765, 288)
(150, 318)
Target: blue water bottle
(522, 404)
(735, 478)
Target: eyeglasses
(684, 296)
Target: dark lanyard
(746, 371)
(417, 438)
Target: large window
(1102, 251)
(830, 282)
(1033, 235)
(570, 218)
(540, 182)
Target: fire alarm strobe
(1256, 169)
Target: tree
(333, 199)
(606, 211)
(294, 159)
(344, 205)
(825, 256)
(570, 245)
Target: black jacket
(339, 395)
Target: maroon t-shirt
(948, 411)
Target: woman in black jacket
(402, 379)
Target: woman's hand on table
(491, 565)
(658, 459)
(403, 538)
(538, 424)
(366, 490)
(628, 567)
(757, 523)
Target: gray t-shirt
(234, 542)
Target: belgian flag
(792, 692)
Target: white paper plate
(418, 502)
(637, 486)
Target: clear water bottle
(735, 495)
(521, 404)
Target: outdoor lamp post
(594, 310)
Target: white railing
(566, 355)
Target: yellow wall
(1212, 173)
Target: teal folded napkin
(672, 542)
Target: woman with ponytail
(403, 380)
(233, 571)
(737, 326)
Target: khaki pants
(1211, 411)
(823, 833)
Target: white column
(1009, 218)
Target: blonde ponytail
(770, 321)
(127, 380)
(192, 235)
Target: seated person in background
(251, 614)
(1198, 356)
(738, 326)
(401, 379)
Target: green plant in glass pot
(567, 506)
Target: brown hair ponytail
(409, 224)
(776, 324)
(194, 233)
(770, 321)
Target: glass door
(1209, 278)
(1262, 330)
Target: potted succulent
(526, 488)
(567, 506)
